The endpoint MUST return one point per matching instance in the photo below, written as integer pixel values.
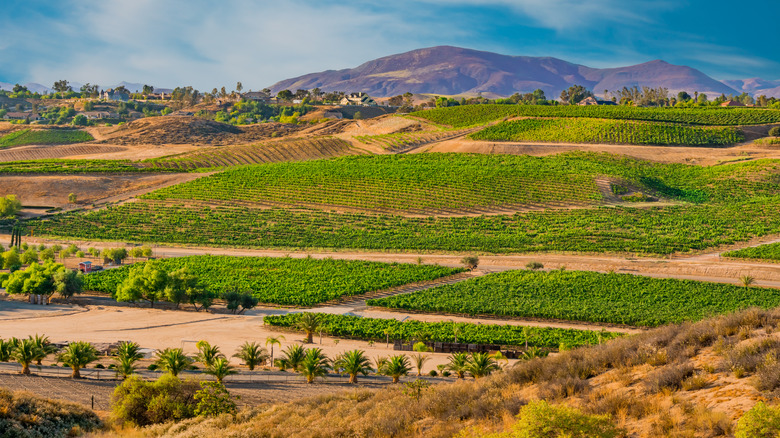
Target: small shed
(85, 267)
(732, 103)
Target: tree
(220, 368)
(116, 255)
(19, 89)
(78, 355)
(72, 198)
(62, 86)
(236, 299)
(682, 96)
(760, 421)
(314, 364)
(25, 353)
(396, 366)
(419, 360)
(271, 340)
(747, 280)
(45, 346)
(29, 257)
(239, 86)
(173, 360)
(9, 206)
(7, 349)
(181, 284)
(575, 94)
(11, 260)
(293, 357)
(207, 353)
(213, 400)
(80, 120)
(68, 282)
(127, 354)
(145, 282)
(470, 262)
(352, 363)
(252, 354)
(166, 399)
(147, 90)
(36, 279)
(774, 132)
(309, 323)
(481, 365)
(284, 95)
(457, 364)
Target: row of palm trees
(76, 355)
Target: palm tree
(293, 357)
(309, 323)
(481, 365)
(129, 350)
(125, 367)
(273, 340)
(458, 363)
(45, 346)
(353, 362)
(252, 354)
(396, 366)
(220, 369)
(208, 353)
(315, 364)
(747, 280)
(419, 360)
(6, 349)
(379, 363)
(78, 355)
(25, 353)
(173, 360)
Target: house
(257, 96)
(85, 267)
(360, 99)
(115, 95)
(593, 101)
(23, 116)
(96, 115)
(732, 103)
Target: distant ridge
(447, 70)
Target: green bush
(760, 422)
(774, 132)
(539, 419)
(25, 415)
(213, 400)
(143, 403)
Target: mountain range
(446, 70)
(38, 88)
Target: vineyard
(54, 152)
(765, 252)
(287, 281)
(72, 166)
(228, 156)
(405, 141)
(622, 230)
(585, 296)
(608, 131)
(473, 115)
(411, 330)
(45, 136)
(417, 184)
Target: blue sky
(209, 44)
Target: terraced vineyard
(44, 136)
(473, 115)
(288, 281)
(228, 156)
(403, 142)
(608, 131)
(380, 329)
(769, 251)
(74, 166)
(55, 152)
(585, 296)
(414, 184)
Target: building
(23, 116)
(96, 115)
(732, 103)
(115, 95)
(593, 101)
(360, 99)
(257, 96)
(85, 267)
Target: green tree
(78, 355)
(25, 352)
(481, 365)
(419, 360)
(36, 279)
(273, 340)
(309, 323)
(9, 206)
(292, 357)
(213, 400)
(147, 90)
(352, 363)
(11, 260)
(67, 282)
(207, 353)
(284, 95)
(62, 86)
(29, 257)
(181, 285)
(252, 354)
(235, 299)
(45, 346)
(747, 280)
(147, 282)
(173, 360)
(540, 419)
(458, 363)
(759, 422)
(6, 349)
(143, 403)
(396, 366)
(315, 364)
(127, 354)
(80, 120)
(574, 94)
(124, 367)
(220, 368)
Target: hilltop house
(593, 101)
(22, 116)
(360, 99)
(94, 115)
(115, 95)
(257, 96)
(732, 103)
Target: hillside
(447, 70)
(756, 86)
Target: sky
(208, 44)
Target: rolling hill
(447, 70)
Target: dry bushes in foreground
(25, 415)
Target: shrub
(774, 132)
(143, 403)
(669, 377)
(539, 419)
(214, 399)
(26, 415)
(761, 421)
